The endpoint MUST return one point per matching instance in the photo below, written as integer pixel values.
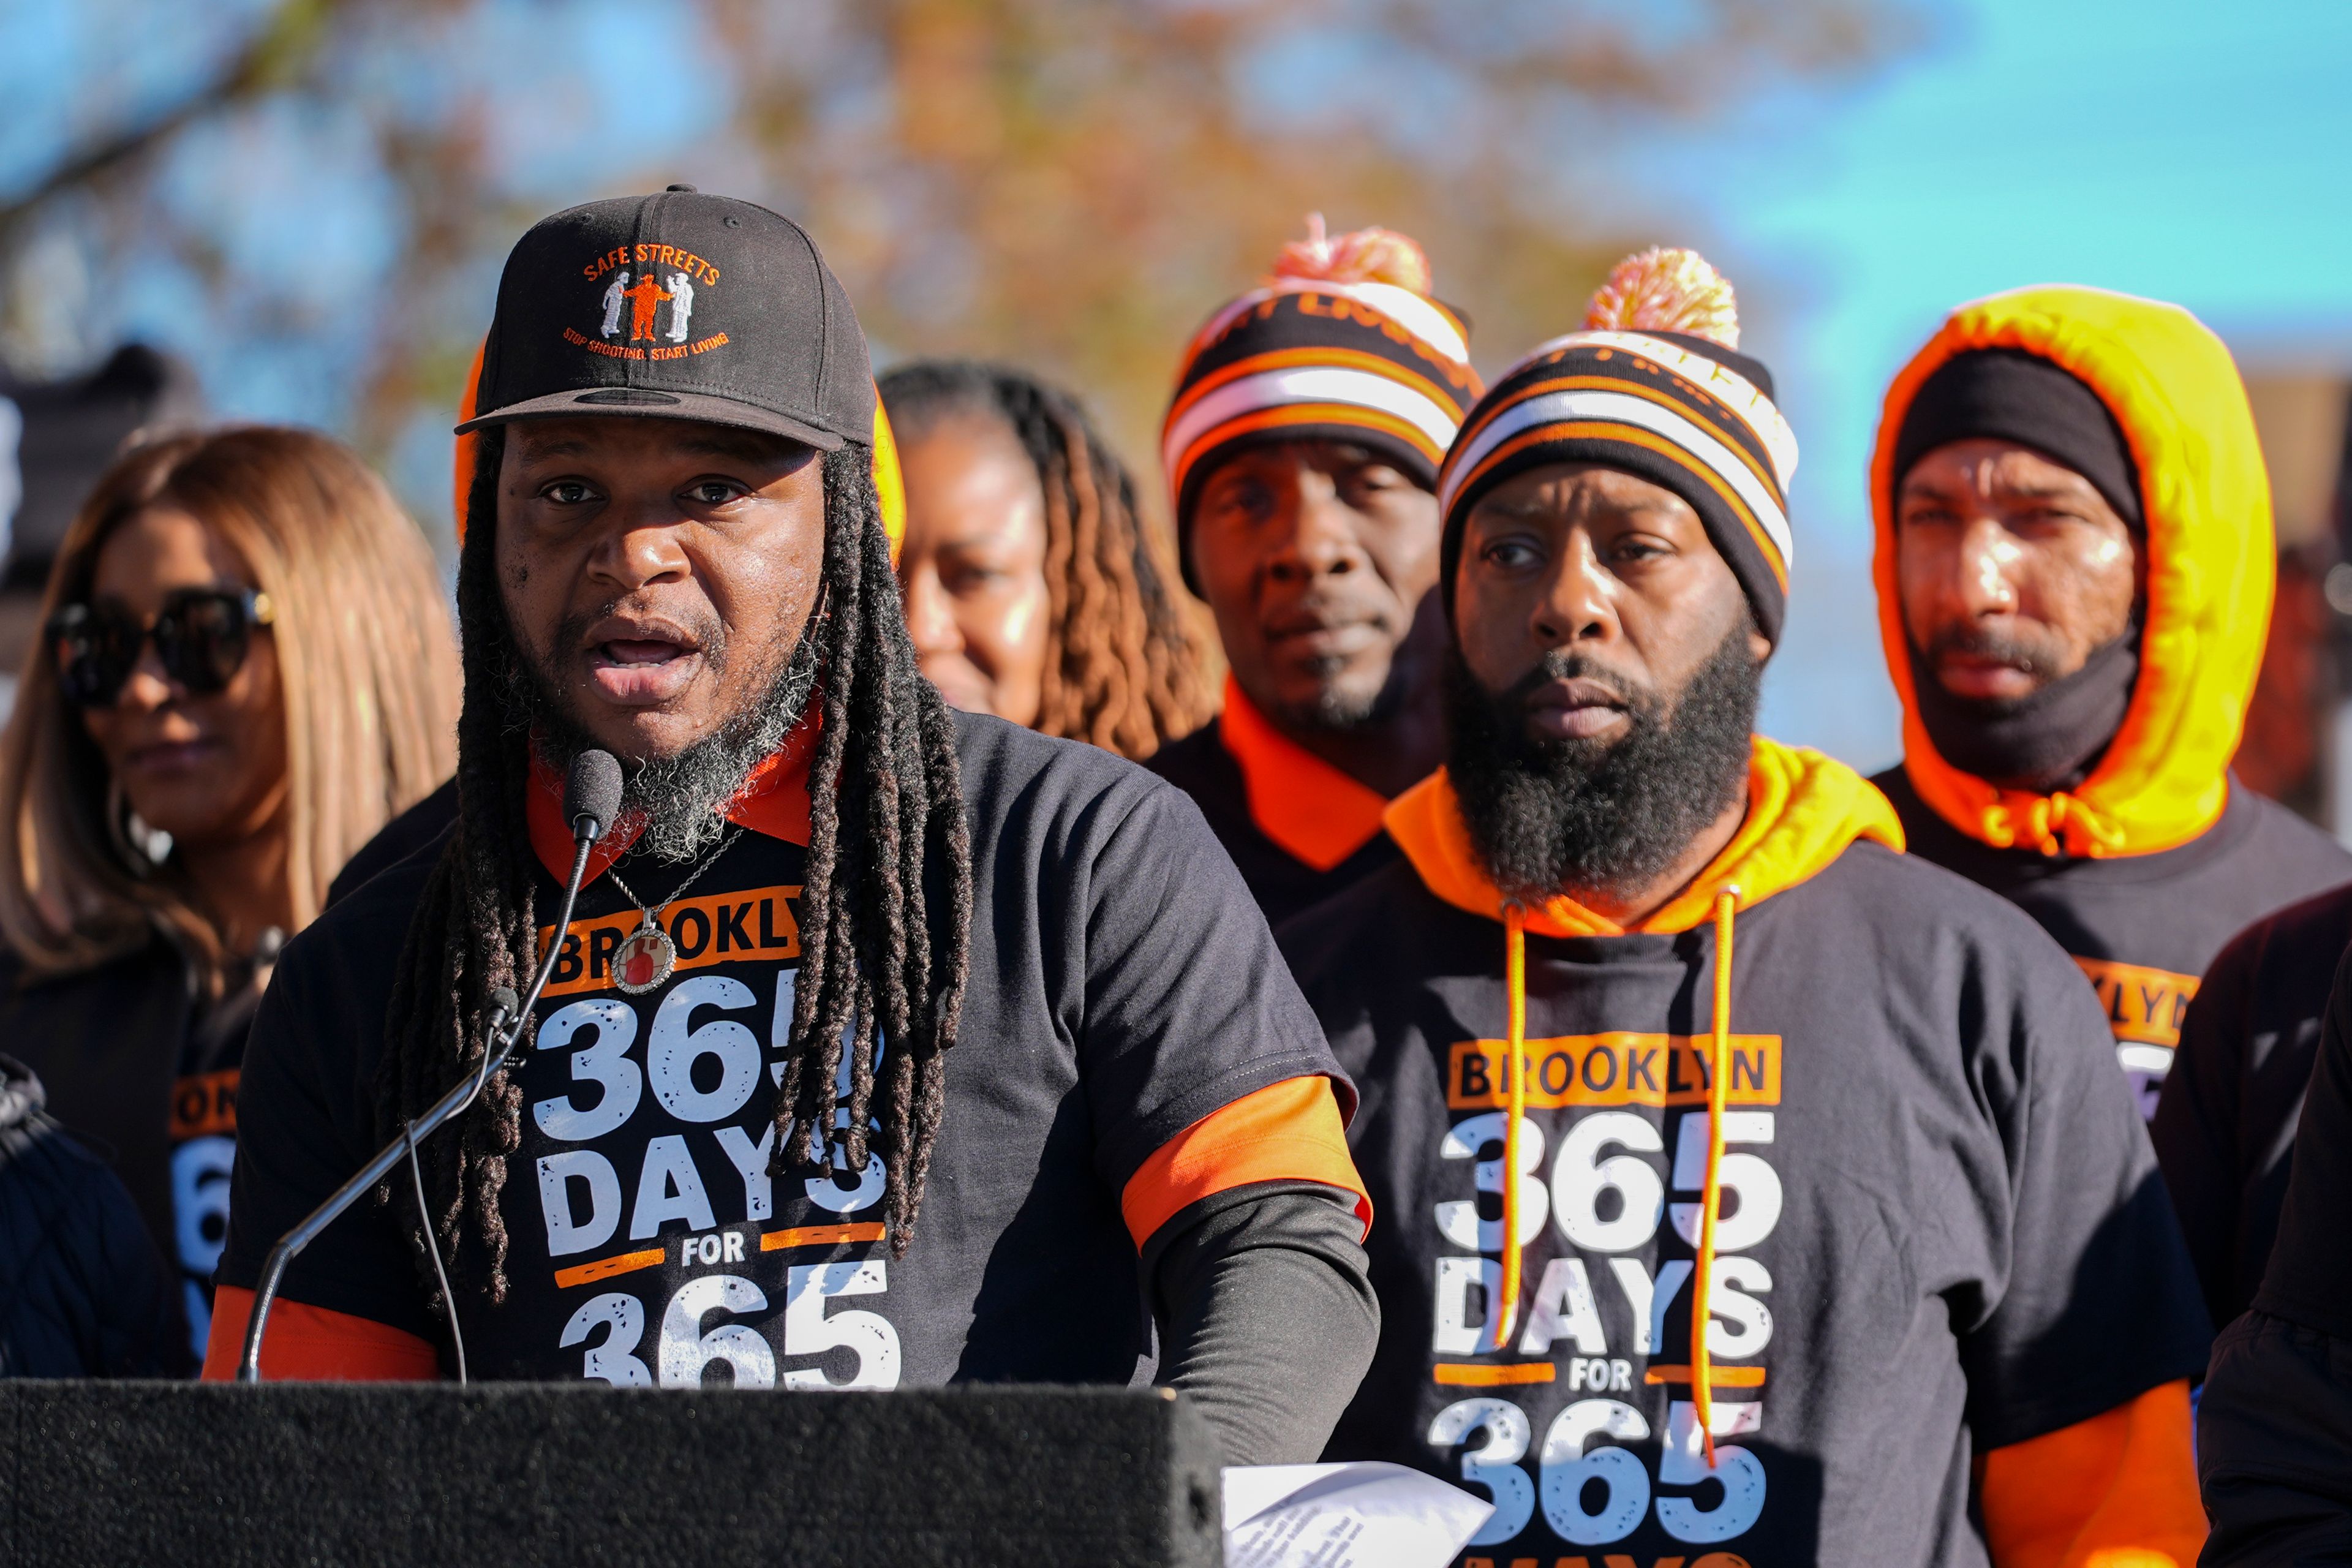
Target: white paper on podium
(1345, 1515)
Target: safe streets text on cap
(681, 306)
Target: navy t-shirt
(1123, 986)
(1200, 766)
(2144, 928)
(1943, 1231)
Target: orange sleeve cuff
(2118, 1490)
(312, 1344)
(1287, 1131)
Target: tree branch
(285, 43)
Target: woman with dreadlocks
(1035, 589)
(743, 1089)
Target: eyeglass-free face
(971, 572)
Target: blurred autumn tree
(311, 197)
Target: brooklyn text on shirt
(2145, 1008)
(2144, 1005)
(1620, 1067)
(760, 923)
(1596, 1174)
(664, 1122)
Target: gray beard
(681, 798)
(1335, 712)
(1340, 711)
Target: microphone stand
(505, 1031)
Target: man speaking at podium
(738, 1146)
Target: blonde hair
(367, 666)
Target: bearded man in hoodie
(1831, 1236)
(2074, 574)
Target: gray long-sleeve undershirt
(1267, 1319)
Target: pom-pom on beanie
(1342, 341)
(1653, 384)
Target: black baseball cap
(677, 306)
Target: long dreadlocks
(1123, 661)
(886, 905)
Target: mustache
(1561, 664)
(2034, 655)
(698, 621)
(1325, 608)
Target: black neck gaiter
(2048, 740)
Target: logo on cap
(639, 281)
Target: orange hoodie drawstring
(1514, 1095)
(1711, 1197)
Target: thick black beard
(1588, 818)
(680, 797)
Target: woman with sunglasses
(246, 667)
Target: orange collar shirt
(1298, 828)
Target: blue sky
(2191, 151)
(2188, 151)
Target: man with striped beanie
(1302, 448)
(1828, 1234)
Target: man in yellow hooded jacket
(2074, 572)
(1829, 1233)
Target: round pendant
(644, 961)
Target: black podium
(521, 1475)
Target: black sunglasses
(200, 637)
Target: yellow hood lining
(2211, 567)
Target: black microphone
(592, 799)
(591, 794)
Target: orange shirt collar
(1314, 813)
(774, 800)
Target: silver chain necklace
(645, 960)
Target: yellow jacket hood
(2173, 388)
(1803, 809)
